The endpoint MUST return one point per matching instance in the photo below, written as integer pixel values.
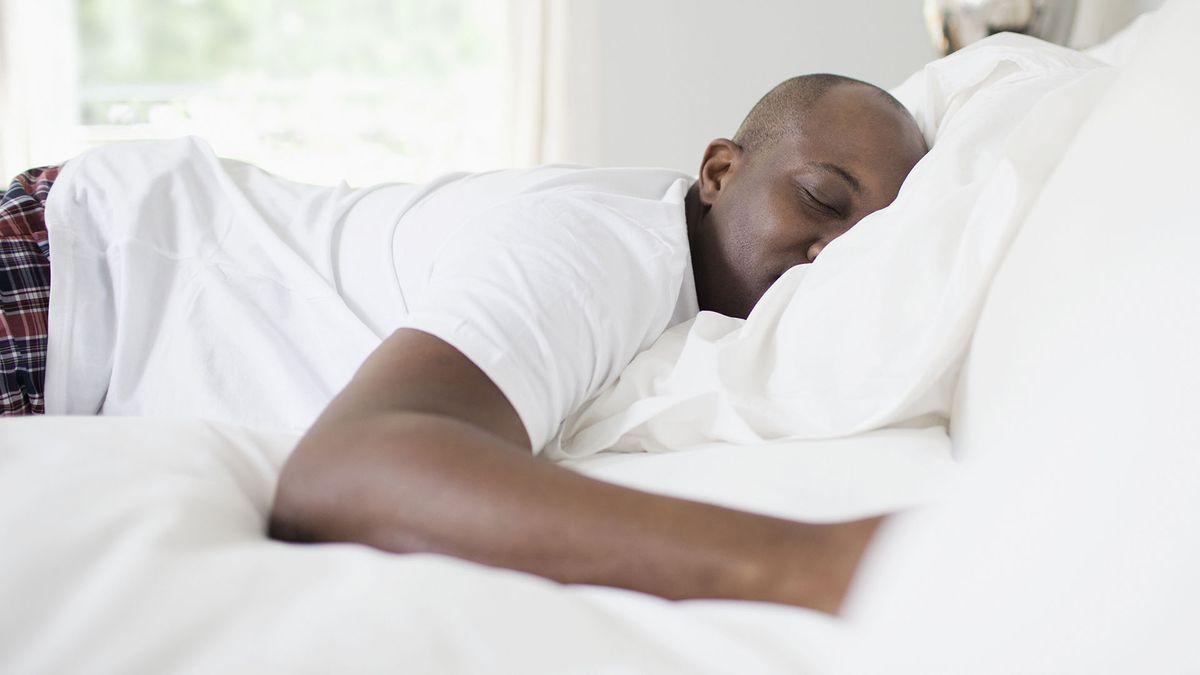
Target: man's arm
(422, 452)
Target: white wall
(658, 79)
(674, 74)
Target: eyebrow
(849, 177)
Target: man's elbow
(294, 517)
(315, 499)
(283, 528)
(351, 489)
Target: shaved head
(781, 112)
(817, 154)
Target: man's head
(813, 157)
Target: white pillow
(872, 333)
(1118, 49)
(1073, 545)
(931, 92)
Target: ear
(722, 158)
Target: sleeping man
(494, 305)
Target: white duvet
(137, 545)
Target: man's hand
(422, 452)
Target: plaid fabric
(24, 292)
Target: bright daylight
(599, 337)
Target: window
(317, 91)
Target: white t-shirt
(187, 285)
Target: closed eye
(816, 203)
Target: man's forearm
(409, 482)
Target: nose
(815, 249)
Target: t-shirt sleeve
(552, 296)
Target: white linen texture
(137, 545)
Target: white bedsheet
(137, 545)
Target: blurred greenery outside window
(312, 90)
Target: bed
(1039, 434)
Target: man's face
(780, 205)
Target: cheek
(790, 226)
(763, 230)
(767, 216)
(741, 220)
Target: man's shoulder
(641, 183)
(587, 214)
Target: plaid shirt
(24, 292)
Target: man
(181, 289)
(424, 452)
